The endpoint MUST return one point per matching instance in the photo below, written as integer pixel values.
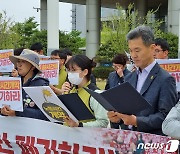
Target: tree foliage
(172, 40)
(39, 36)
(26, 30)
(115, 29)
(72, 41)
(7, 36)
(16, 35)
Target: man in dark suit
(151, 81)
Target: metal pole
(52, 25)
(179, 38)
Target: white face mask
(74, 78)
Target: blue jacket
(30, 108)
(114, 79)
(159, 90)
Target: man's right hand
(113, 117)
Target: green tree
(72, 41)
(114, 31)
(39, 36)
(26, 30)
(15, 35)
(172, 40)
(7, 36)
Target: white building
(168, 10)
(79, 17)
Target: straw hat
(27, 55)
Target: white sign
(5, 64)
(50, 70)
(25, 135)
(49, 103)
(43, 57)
(173, 67)
(11, 93)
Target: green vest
(62, 77)
(84, 95)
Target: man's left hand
(128, 119)
(70, 122)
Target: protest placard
(49, 103)
(57, 108)
(5, 64)
(37, 136)
(173, 67)
(50, 70)
(44, 57)
(11, 93)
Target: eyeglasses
(157, 50)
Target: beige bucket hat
(29, 56)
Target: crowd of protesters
(154, 84)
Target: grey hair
(144, 32)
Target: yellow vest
(62, 77)
(84, 95)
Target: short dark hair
(67, 51)
(59, 53)
(120, 59)
(162, 43)
(94, 59)
(144, 32)
(18, 51)
(36, 46)
(81, 61)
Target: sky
(19, 10)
